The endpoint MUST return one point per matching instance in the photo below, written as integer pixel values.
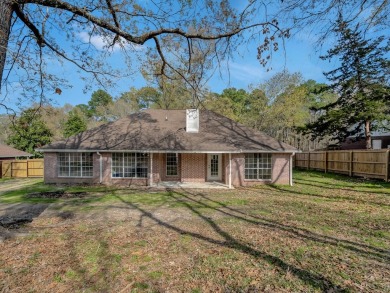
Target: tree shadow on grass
(332, 197)
(342, 180)
(380, 255)
(312, 279)
(343, 187)
(91, 266)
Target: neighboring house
(154, 146)
(9, 153)
(380, 140)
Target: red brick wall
(238, 170)
(160, 168)
(108, 180)
(193, 167)
(51, 172)
(157, 166)
(280, 170)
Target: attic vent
(192, 119)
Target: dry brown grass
(323, 234)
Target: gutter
(100, 167)
(167, 152)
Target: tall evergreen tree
(362, 84)
(74, 124)
(29, 132)
(98, 104)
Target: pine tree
(74, 125)
(29, 132)
(361, 82)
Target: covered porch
(190, 170)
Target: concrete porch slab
(190, 185)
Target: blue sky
(300, 54)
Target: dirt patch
(57, 194)
(16, 215)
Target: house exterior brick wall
(161, 161)
(51, 171)
(193, 167)
(280, 170)
(109, 180)
(157, 166)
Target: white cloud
(246, 72)
(102, 43)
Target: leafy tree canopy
(29, 132)
(74, 124)
(361, 83)
(181, 39)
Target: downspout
(230, 170)
(100, 167)
(151, 170)
(291, 170)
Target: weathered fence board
(22, 168)
(364, 163)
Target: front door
(214, 166)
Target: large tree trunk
(367, 132)
(5, 26)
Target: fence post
(308, 160)
(326, 162)
(350, 163)
(387, 157)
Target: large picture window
(75, 165)
(172, 164)
(129, 165)
(258, 166)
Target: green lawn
(325, 233)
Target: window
(129, 165)
(75, 165)
(258, 166)
(172, 163)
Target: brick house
(155, 146)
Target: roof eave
(165, 151)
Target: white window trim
(258, 179)
(177, 165)
(123, 167)
(69, 167)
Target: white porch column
(151, 170)
(230, 170)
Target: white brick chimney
(192, 120)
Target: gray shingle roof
(9, 152)
(164, 131)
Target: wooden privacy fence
(363, 163)
(21, 168)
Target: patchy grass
(325, 233)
